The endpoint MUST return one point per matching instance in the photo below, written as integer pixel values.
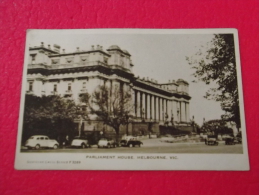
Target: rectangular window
(55, 88)
(69, 87)
(55, 61)
(84, 85)
(33, 57)
(30, 86)
(106, 60)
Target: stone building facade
(52, 71)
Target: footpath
(157, 142)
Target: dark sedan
(131, 143)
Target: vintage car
(230, 141)
(81, 142)
(239, 140)
(131, 142)
(211, 140)
(41, 141)
(167, 138)
(106, 143)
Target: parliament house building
(53, 71)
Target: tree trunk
(117, 130)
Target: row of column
(149, 106)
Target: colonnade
(153, 107)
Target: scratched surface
(17, 16)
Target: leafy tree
(217, 65)
(50, 115)
(217, 127)
(112, 106)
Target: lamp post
(178, 111)
(193, 124)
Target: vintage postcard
(132, 99)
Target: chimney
(101, 47)
(49, 47)
(92, 47)
(42, 44)
(64, 51)
(77, 49)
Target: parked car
(80, 142)
(131, 142)
(230, 141)
(239, 140)
(106, 143)
(211, 140)
(41, 141)
(167, 138)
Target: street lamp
(193, 124)
(178, 111)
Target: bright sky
(161, 57)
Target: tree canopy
(50, 115)
(217, 126)
(112, 106)
(217, 64)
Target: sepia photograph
(132, 99)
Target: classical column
(178, 111)
(156, 109)
(143, 105)
(174, 106)
(169, 105)
(166, 109)
(187, 112)
(152, 107)
(183, 111)
(166, 106)
(133, 100)
(161, 109)
(148, 106)
(138, 103)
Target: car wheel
(130, 145)
(37, 146)
(55, 146)
(83, 145)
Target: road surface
(153, 146)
